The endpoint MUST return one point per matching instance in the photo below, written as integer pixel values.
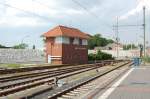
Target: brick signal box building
(66, 45)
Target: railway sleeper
(23, 87)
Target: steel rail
(84, 82)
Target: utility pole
(144, 41)
(117, 38)
(116, 27)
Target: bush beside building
(99, 56)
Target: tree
(43, 38)
(2, 46)
(110, 41)
(20, 46)
(98, 40)
(33, 47)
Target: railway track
(36, 73)
(41, 67)
(11, 87)
(40, 73)
(13, 84)
(21, 81)
(84, 89)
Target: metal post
(117, 32)
(144, 30)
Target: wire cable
(89, 12)
(25, 11)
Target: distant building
(148, 51)
(65, 45)
(112, 46)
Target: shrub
(91, 57)
(99, 56)
(146, 59)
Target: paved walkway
(135, 84)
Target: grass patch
(11, 65)
(146, 59)
(14, 65)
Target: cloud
(33, 12)
(17, 22)
(136, 10)
(42, 15)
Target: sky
(26, 20)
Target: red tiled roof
(66, 31)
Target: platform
(134, 84)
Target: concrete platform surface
(134, 84)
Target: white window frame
(76, 41)
(62, 40)
(84, 42)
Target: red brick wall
(71, 54)
(74, 54)
(57, 62)
(53, 49)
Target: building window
(71, 40)
(80, 41)
(76, 41)
(84, 42)
(109, 48)
(61, 39)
